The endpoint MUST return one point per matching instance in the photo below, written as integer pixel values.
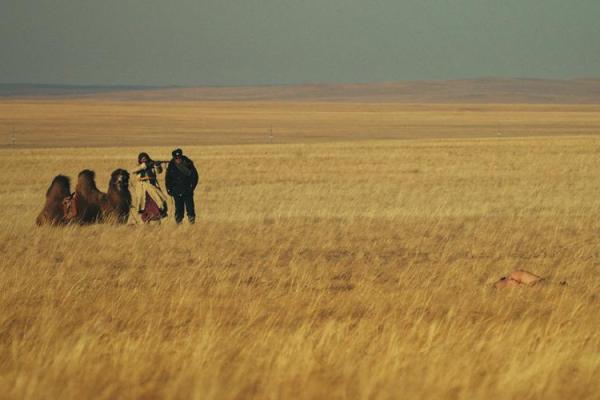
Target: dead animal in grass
(518, 278)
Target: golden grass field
(93, 122)
(348, 269)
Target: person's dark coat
(181, 180)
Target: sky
(247, 42)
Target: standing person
(181, 180)
(149, 201)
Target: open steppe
(95, 122)
(321, 266)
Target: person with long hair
(149, 203)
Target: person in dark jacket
(181, 180)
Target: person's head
(177, 155)
(143, 158)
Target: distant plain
(100, 123)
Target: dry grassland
(92, 122)
(330, 270)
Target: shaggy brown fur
(119, 197)
(90, 202)
(53, 212)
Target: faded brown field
(325, 270)
(93, 122)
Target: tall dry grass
(350, 270)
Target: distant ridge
(540, 91)
(42, 90)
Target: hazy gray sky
(220, 42)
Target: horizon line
(307, 83)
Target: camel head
(119, 180)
